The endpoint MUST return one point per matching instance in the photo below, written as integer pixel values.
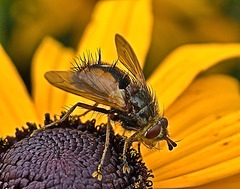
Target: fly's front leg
(127, 145)
(98, 173)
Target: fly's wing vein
(128, 58)
(88, 85)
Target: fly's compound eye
(153, 132)
(157, 129)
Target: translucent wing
(128, 58)
(92, 84)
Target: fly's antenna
(171, 144)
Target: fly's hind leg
(78, 104)
(89, 110)
(98, 173)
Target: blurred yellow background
(24, 23)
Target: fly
(126, 93)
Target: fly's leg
(98, 173)
(127, 144)
(89, 110)
(78, 104)
(125, 163)
(139, 149)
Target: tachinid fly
(126, 93)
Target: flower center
(66, 157)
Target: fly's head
(155, 132)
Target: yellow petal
(232, 182)
(16, 105)
(178, 70)
(206, 100)
(214, 143)
(206, 118)
(132, 19)
(213, 150)
(220, 171)
(49, 56)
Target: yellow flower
(203, 111)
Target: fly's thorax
(141, 103)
